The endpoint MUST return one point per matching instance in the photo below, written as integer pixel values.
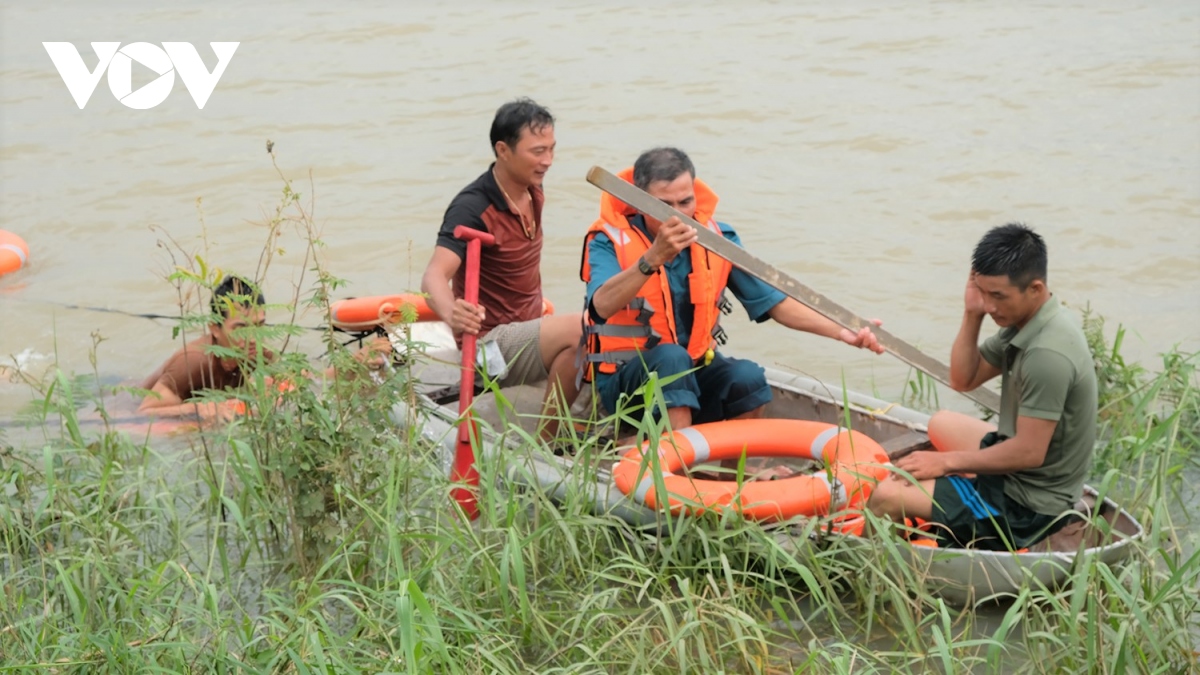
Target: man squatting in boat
(236, 311)
(651, 309)
(1030, 470)
(506, 202)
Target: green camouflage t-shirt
(1047, 373)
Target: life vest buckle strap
(644, 309)
(725, 305)
(613, 358)
(719, 335)
(620, 331)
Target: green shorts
(977, 513)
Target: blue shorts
(723, 389)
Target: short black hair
(514, 116)
(1013, 250)
(234, 290)
(661, 164)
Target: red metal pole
(464, 472)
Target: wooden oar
(743, 260)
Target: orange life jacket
(649, 319)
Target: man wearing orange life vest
(651, 309)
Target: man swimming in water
(237, 310)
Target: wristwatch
(644, 267)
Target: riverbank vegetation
(312, 535)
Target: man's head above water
(234, 291)
(236, 304)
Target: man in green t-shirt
(1031, 469)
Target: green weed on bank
(315, 535)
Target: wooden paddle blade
(754, 266)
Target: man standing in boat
(654, 302)
(506, 202)
(1030, 470)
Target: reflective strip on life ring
(14, 253)
(854, 463)
(384, 310)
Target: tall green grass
(315, 535)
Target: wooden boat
(961, 576)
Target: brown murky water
(863, 149)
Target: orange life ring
(14, 253)
(378, 310)
(384, 310)
(855, 525)
(854, 464)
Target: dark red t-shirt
(510, 277)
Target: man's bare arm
(795, 315)
(1026, 450)
(461, 316)
(968, 369)
(163, 400)
(670, 240)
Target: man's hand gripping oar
(752, 265)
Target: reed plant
(315, 534)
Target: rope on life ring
(14, 252)
(853, 462)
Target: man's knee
(667, 360)
(560, 333)
(898, 499)
(949, 430)
(559, 339)
(884, 498)
(943, 421)
(745, 378)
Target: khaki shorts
(521, 346)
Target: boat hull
(960, 576)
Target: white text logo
(178, 57)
